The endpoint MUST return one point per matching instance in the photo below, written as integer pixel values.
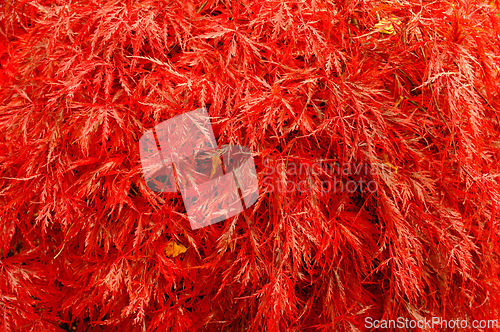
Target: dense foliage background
(409, 85)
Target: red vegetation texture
(411, 85)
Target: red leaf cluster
(406, 90)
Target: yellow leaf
(216, 162)
(399, 101)
(386, 26)
(174, 249)
(386, 159)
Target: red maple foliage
(407, 89)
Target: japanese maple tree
(409, 90)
